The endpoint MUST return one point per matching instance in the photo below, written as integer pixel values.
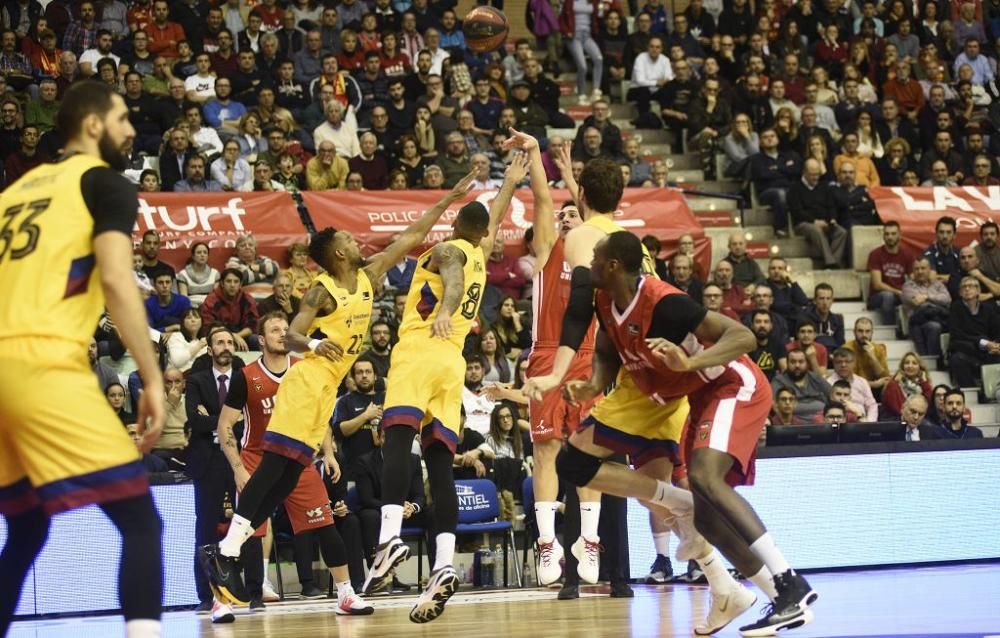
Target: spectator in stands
(338, 130)
(327, 170)
(504, 440)
(944, 151)
(888, 265)
(712, 300)
(650, 72)
(852, 199)
(763, 299)
(785, 404)
(892, 125)
(773, 174)
(230, 170)
(298, 270)
(41, 112)
(115, 394)
(871, 357)
(969, 267)
(906, 91)
(231, 306)
(810, 389)
(197, 278)
(805, 340)
(734, 296)
(165, 309)
(939, 176)
(739, 145)
(173, 157)
(834, 413)
(942, 255)
(478, 406)
(975, 334)
(912, 379)
(104, 373)
(26, 157)
(513, 333)
(987, 250)
(983, 71)
(981, 176)
(682, 277)
(861, 392)
(379, 353)
(456, 162)
(531, 117)
(545, 93)
(368, 475)
(151, 264)
(676, 99)
(173, 441)
(927, 302)
(255, 268)
(356, 418)
(433, 177)
(789, 299)
(194, 178)
(485, 108)
(955, 425)
(481, 166)
(746, 272)
(770, 352)
(815, 218)
(281, 300)
(496, 367)
(187, 344)
(913, 416)
(502, 276)
(371, 164)
(829, 324)
(865, 172)
(840, 393)
(221, 110)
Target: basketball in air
(485, 29)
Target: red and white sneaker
(550, 557)
(222, 613)
(588, 553)
(353, 605)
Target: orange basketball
(485, 29)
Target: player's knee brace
(576, 466)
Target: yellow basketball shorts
(61, 444)
(629, 422)
(424, 391)
(302, 409)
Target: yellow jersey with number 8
(427, 289)
(347, 325)
(48, 270)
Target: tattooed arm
(227, 441)
(449, 262)
(317, 301)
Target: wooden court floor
(962, 601)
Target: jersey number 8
(471, 303)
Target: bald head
(811, 171)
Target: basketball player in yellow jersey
(65, 254)
(330, 328)
(424, 389)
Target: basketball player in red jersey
(251, 398)
(656, 334)
(551, 416)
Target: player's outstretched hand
(577, 392)
(673, 356)
(564, 159)
(518, 168)
(523, 141)
(462, 187)
(330, 350)
(536, 387)
(441, 328)
(152, 414)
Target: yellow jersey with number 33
(427, 289)
(347, 325)
(49, 280)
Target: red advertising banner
(918, 209)
(373, 216)
(219, 219)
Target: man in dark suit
(368, 480)
(206, 465)
(913, 417)
(173, 158)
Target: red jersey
(675, 320)
(253, 391)
(550, 297)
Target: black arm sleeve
(236, 397)
(579, 311)
(111, 199)
(675, 316)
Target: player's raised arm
(416, 232)
(516, 171)
(544, 222)
(449, 262)
(564, 162)
(316, 301)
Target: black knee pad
(576, 466)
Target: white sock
(720, 581)
(392, 522)
(344, 590)
(661, 540)
(267, 564)
(239, 531)
(765, 582)
(142, 628)
(765, 549)
(445, 553)
(673, 498)
(590, 516)
(545, 517)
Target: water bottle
(487, 564)
(462, 573)
(477, 568)
(498, 572)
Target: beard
(223, 358)
(796, 376)
(367, 387)
(762, 335)
(111, 153)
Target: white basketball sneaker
(725, 609)
(588, 553)
(549, 556)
